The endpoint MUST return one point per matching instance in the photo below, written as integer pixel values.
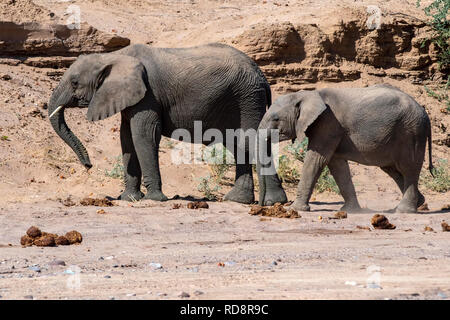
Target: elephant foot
(274, 196)
(355, 208)
(240, 194)
(420, 200)
(401, 208)
(298, 206)
(156, 196)
(131, 195)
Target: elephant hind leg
(341, 172)
(242, 191)
(399, 180)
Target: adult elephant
(377, 126)
(160, 90)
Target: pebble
(198, 292)
(373, 286)
(131, 294)
(274, 263)
(442, 295)
(29, 297)
(35, 268)
(183, 294)
(156, 266)
(107, 277)
(57, 263)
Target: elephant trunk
(263, 143)
(61, 97)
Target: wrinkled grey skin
(376, 126)
(157, 91)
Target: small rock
(156, 266)
(5, 76)
(28, 297)
(57, 263)
(442, 295)
(423, 207)
(198, 292)
(107, 277)
(35, 268)
(373, 286)
(274, 263)
(445, 226)
(427, 228)
(183, 294)
(131, 294)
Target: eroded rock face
(35, 39)
(32, 34)
(292, 55)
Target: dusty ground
(315, 259)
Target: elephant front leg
(312, 168)
(146, 134)
(132, 170)
(341, 172)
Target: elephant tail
(430, 164)
(268, 95)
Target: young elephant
(377, 126)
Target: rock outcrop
(292, 55)
(48, 43)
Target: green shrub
(288, 172)
(441, 180)
(439, 11)
(207, 187)
(117, 171)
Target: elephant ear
(121, 83)
(311, 106)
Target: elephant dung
(379, 221)
(445, 226)
(74, 237)
(176, 206)
(34, 232)
(339, 215)
(96, 202)
(62, 241)
(197, 205)
(26, 241)
(45, 241)
(277, 210)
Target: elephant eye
(74, 83)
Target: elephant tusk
(54, 112)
